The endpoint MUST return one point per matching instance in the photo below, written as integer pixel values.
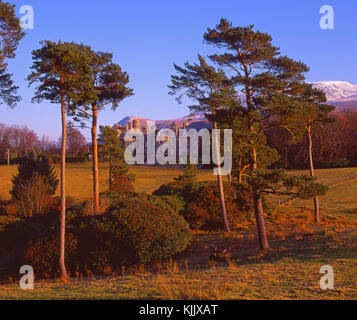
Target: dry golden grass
(290, 271)
(190, 287)
(79, 179)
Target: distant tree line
(334, 145)
(20, 140)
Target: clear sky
(148, 36)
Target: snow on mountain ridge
(336, 89)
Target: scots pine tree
(10, 36)
(211, 90)
(28, 167)
(62, 74)
(109, 83)
(268, 83)
(308, 112)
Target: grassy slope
(290, 271)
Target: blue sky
(147, 37)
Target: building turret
(136, 124)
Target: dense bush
(16, 235)
(202, 207)
(141, 233)
(129, 199)
(137, 229)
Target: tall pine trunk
(95, 159)
(258, 208)
(220, 185)
(110, 174)
(62, 263)
(312, 174)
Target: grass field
(79, 179)
(79, 184)
(289, 271)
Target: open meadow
(290, 270)
(79, 179)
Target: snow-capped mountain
(336, 90)
(341, 94)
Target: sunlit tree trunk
(258, 208)
(62, 264)
(312, 174)
(110, 174)
(95, 159)
(220, 185)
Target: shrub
(70, 201)
(122, 183)
(43, 253)
(122, 180)
(176, 202)
(87, 208)
(142, 233)
(33, 196)
(30, 165)
(202, 203)
(7, 220)
(15, 236)
(129, 199)
(189, 174)
(136, 229)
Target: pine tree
(110, 149)
(309, 111)
(10, 36)
(28, 167)
(62, 73)
(189, 174)
(211, 89)
(109, 85)
(268, 83)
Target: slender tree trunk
(220, 185)
(258, 208)
(312, 174)
(110, 174)
(95, 159)
(240, 171)
(259, 216)
(62, 264)
(230, 177)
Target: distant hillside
(196, 121)
(341, 94)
